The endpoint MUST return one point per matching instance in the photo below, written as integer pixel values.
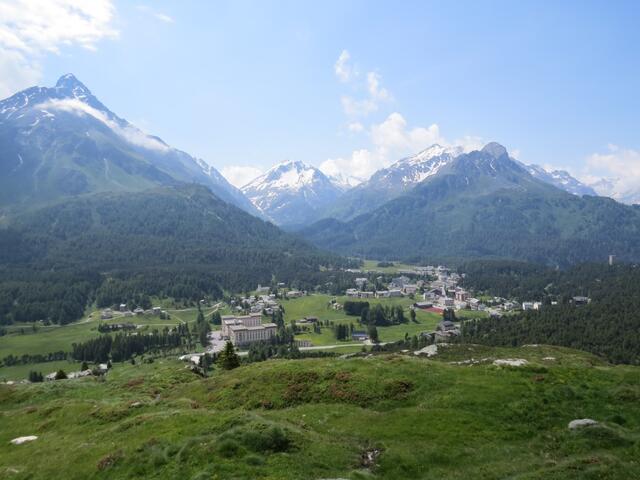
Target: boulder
(21, 440)
(510, 362)
(581, 423)
(429, 350)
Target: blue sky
(245, 85)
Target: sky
(349, 86)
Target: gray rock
(581, 423)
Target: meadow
(23, 339)
(378, 417)
(319, 306)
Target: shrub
(228, 448)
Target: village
(427, 303)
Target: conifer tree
(228, 359)
(373, 334)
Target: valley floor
(455, 416)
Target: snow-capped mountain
(291, 193)
(484, 204)
(345, 182)
(408, 172)
(561, 179)
(62, 141)
(393, 181)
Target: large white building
(246, 329)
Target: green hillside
(484, 205)
(324, 418)
(182, 243)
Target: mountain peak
(288, 164)
(494, 149)
(71, 83)
(291, 192)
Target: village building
(241, 335)
(409, 289)
(581, 301)
(360, 282)
(399, 282)
(461, 295)
(294, 294)
(246, 329)
(474, 303)
(359, 336)
(447, 302)
(423, 305)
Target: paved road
(217, 343)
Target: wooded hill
(182, 242)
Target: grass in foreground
(318, 418)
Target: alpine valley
(62, 144)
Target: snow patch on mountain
(291, 192)
(561, 179)
(410, 171)
(42, 116)
(345, 182)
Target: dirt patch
(134, 382)
(110, 460)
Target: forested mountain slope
(608, 326)
(485, 205)
(182, 240)
(62, 142)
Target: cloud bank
(127, 131)
(30, 29)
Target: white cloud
(163, 17)
(126, 131)
(240, 175)
(620, 167)
(355, 127)
(362, 163)
(344, 71)
(375, 90)
(29, 29)
(358, 108)
(372, 85)
(391, 140)
(16, 72)
(470, 143)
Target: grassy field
(55, 338)
(320, 418)
(318, 306)
(372, 265)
